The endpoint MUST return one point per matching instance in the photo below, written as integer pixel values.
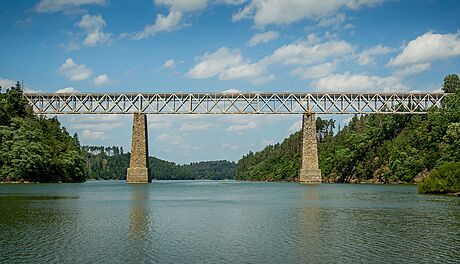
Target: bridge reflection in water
(307, 104)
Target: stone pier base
(309, 171)
(138, 171)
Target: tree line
(376, 148)
(111, 163)
(35, 149)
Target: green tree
(35, 149)
(451, 84)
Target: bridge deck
(233, 103)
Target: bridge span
(307, 104)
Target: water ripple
(226, 222)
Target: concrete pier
(309, 170)
(138, 171)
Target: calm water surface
(226, 222)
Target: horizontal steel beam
(233, 103)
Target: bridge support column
(309, 171)
(138, 171)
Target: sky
(223, 45)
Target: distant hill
(112, 163)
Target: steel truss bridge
(234, 103)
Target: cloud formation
(73, 71)
(102, 80)
(348, 82)
(368, 56)
(229, 64)
(93, 25)
(212, 64)
(162, 23)
(51, 6)
(282, 12)
(427, 48)
(67, 90)
(263, 38)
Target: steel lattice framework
(238, 103)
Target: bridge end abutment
(138, 171)
(309, 170)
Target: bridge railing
(234, 103)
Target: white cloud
(316, 71)
(92, 135)
(160, 122)
(241, 127)
(368, 56)
(412, 69)
(102, 80)
(103, 126)
(229, 64)
(49, 6)
(73, 71)
(308, 53)
(231, 91)
(427, 48)
(266, 12)
(160, 125)
(7, 83)
(243, 71)
(93, 25)
(212, 64)
(173, 21)
(67, 90)
(183, 5)
(162, 23)
(169, 64)
(193, 127)
(171, 139)
(263, 79)
(263, 38)
(96, 127)
(332, 21)
(358, 83)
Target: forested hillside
(112, 163)
(376, 148)
(35, 149)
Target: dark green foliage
(280, 162)
(35, 149)
(371, 148)
(451, 84)
(444, 179)
(111, 163)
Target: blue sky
(220, 45)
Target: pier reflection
(138, 248)
(309, 236)
(139, 213)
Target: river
(226, 222)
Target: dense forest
(112, 163)
(35, 149)
(376, 148)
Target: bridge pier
(309, 171)
(138, 171)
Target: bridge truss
(237, 103)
